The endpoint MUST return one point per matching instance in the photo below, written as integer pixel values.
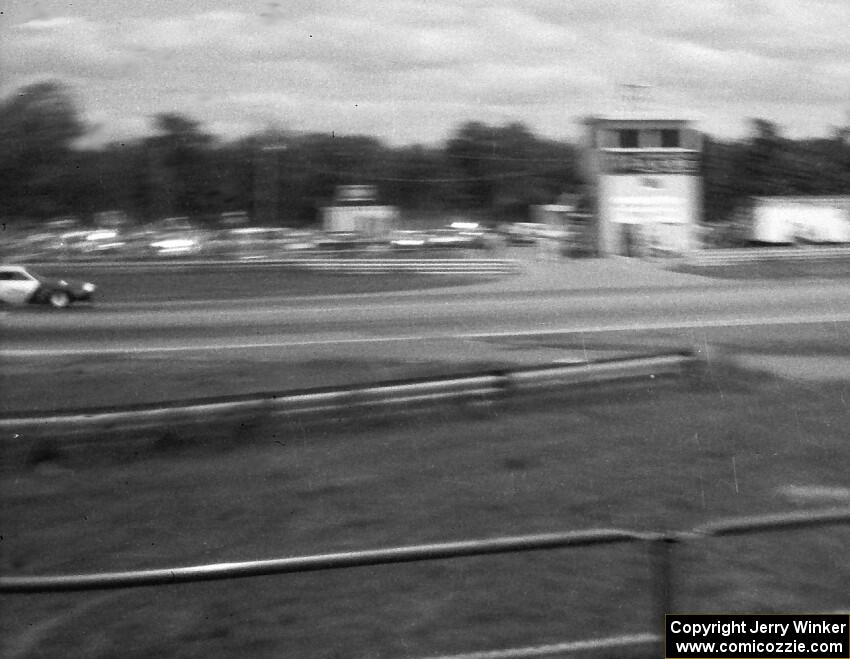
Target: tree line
(281, 178)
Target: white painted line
(134, 350)
(575, 329)
(559, 649)
(661, 325)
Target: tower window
(670, 139)
(628, 139)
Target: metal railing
(661, 548)
(380, 395)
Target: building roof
(645, 115)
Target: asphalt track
(392, 318)
(557, 312)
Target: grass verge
(239, 282)
(773, 269)
(648, 458)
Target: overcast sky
(409, 71)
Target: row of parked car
(182, 239)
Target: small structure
(566, 224)
(114, 219)
(799, 219)
(646, 186)
(233, 219)
(355, 209)
(557, 215)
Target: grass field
(662, 457)
(240, 282)
(774, 269)
(61, 383)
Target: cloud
(64, 45)
(784, 29)
(412, 68)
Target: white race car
(20, 285)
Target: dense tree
(506, 168)
(179, 165)
(38, 127)
(767, 163)
(418, 178)
(284, 178)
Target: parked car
(456, 238)
(175, 244)
(253, 242)
(521, 233)
(301, 241)
(407, 239)
(345, 240)
(20, 285)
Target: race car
(20, 285)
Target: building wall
(786, 220)
(657, 212)
(645, 176)
(366, 220)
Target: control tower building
(645, 181)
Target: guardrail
(392, 394)
(746, 255)
(661, 546)
(410, 554)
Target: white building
(355, 209)
(800, 219)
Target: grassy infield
(241, 282)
